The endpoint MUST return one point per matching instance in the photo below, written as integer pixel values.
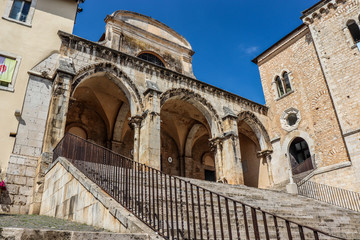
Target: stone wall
(19, 182)
(318, 125)
(70, 195)
(340, 58)
(23, 162)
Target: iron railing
(306, 165)
(332, 195)
(173, 207)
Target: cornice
(120, 58)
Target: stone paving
(43, 222)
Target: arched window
(300, 156)
(354, 30)
(283, 84)
(286, 82)
(279, 86)
(151, 58)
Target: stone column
(266, 155)
(232, 165)
(135, 122)
(56, 122)
(149, 151)
(216, 147)
(55, 128)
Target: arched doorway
(185, 147)
(255, 168)
(300, 156)
(100, 111)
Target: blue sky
(225, 35)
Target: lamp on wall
(17, 113)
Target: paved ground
(43, 222)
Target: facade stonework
(321, 58)
(134, 92)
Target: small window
(279, 86)
(151, 58)
(286, 82)
(354, 30)
(20, 10)
(7, 69)
(283, 84)
(292, 119)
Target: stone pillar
(216, 147)
(135, 122)
(266, 155)
(291, 187)
(56, 122)
(232, 165)
(149, 151)
(55, 128)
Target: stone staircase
(189, 211)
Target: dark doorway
(210, 176)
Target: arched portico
(255, 148)
(118, 77)
(187, 123)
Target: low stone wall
(19, 182)
(346, 177)
(21, 234)
(70, 195)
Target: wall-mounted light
(17, 113)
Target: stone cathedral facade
(135, 93)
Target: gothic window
(286, 82)
(151, 58)
(283, 84)
(354, 30)
(279, 86)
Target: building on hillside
(22, 48)
(134, 92)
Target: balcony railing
(173, 207)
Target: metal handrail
(173, 207)
(332, 195)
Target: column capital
(215, 143)
(136, 121)
(264, 153)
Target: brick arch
(116, 75)
(200, 103)
(258, 128)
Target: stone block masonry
(70, 195)
(22, 167)
(19, 181)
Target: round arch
(198, 102)
(118, 77)
(297, 134)
(258, 128)
(155, 54)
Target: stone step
(302, 210)
(45, 234)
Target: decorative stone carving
(286, 122)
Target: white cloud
(248, 50)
